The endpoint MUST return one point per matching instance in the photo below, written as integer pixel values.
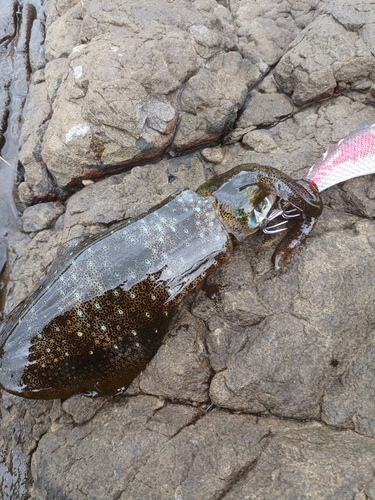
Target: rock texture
(264, 387)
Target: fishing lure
(351, 157)
(103, 310)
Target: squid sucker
(101, 312)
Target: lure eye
(260, 212)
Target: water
(14, 83)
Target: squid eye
(260, 212)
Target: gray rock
(213, 155)
(259, 140)
(63, 34)
(36, 46)
(142, 188)
(116, 104)
(350, 16)
(41, 216)
(295, 347)
(157, 456)
(22, 425)
(38, 182)
(188, 376)
(264, 109)
(265, 29)
(55, 72)
(7, 23)
(27, 20)
(312, 67)
(329, 464)
(208, 108)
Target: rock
(213, 155)
(63, 34)
(259, 140)
(27, 20)
(266, 29)
(143, 187)
(315, 337)
(41, 216)
(56, 9)
(55, 72)
(264, 109)
(187, 377)
(352, 18)
(36, 46)
(208, 108)
(22, 425)
(237, 134)
(5, 80)
(307, 76)
(116, 103)
(4, 113)
(38, 183)
(8, 18)
(138, 435)
(129, 81)
(81, 408)
(324, 453)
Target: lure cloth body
(353, 156)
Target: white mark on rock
(203, 30)
(78, 71)
(77, 48)
(77, 130)
(114, 48)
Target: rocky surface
(264, 387)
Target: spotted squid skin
(98, 320)
(103, 310)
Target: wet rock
(36, 46)
(27, 19)
(38, 182)
(117, 104)
(22, 425)
(208, 109)
(329, 464)
(41, 216)
(5, 80)
(313, 67)
(294, 345)
(7, 22)
(4, 113)
(265, 29)
(259, 140)
(264, 109)
(140, 441)
(188, 376)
